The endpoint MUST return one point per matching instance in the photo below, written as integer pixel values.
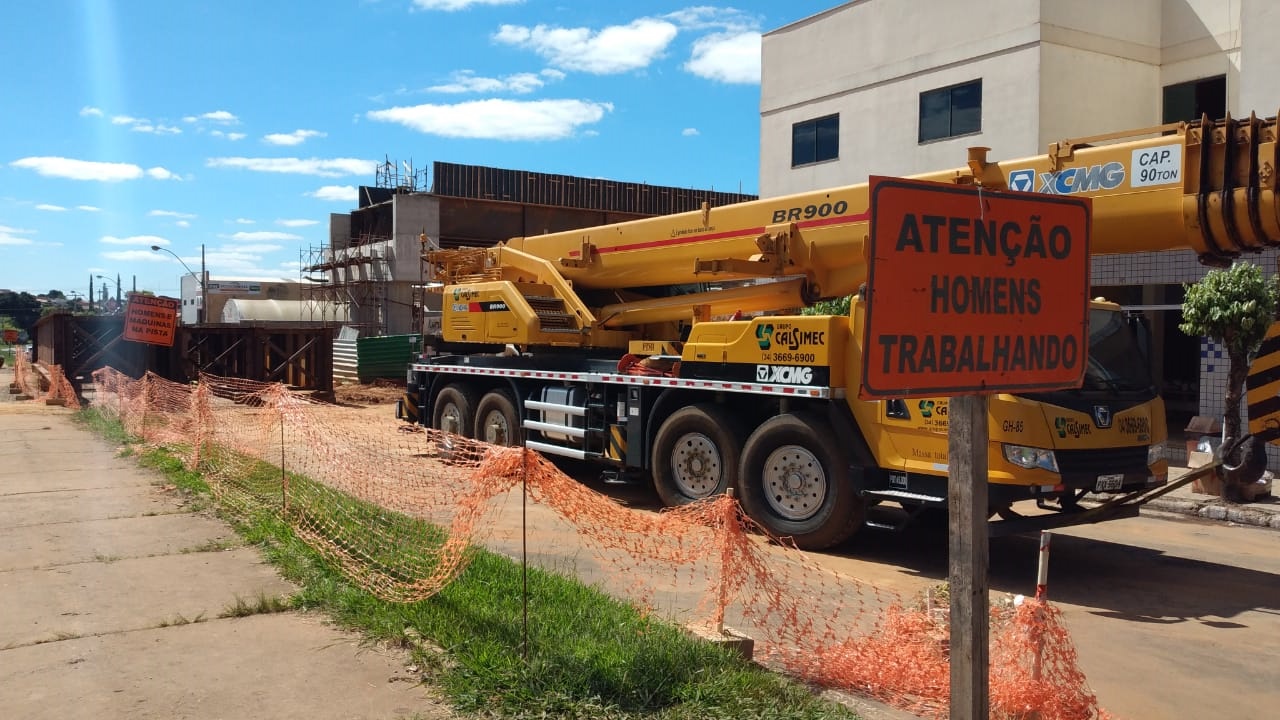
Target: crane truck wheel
(695, 454)
(794, 481)
(453, 414)
(497, 421)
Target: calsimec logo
(1069, 427)
(763, 335)
(926, 408)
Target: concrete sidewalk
(112, 592)
(1264, 512)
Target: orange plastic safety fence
(52, 386)
(400, 508)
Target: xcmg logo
(784, 374)
(1072, 180)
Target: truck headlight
(1030, 457)
(1155, 453)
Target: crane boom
(1208, 186)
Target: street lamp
(104, 286)
(204, 291)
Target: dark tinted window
(815, 140)
(951, 111)
(1190, 100)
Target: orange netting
(707, 564)
(52, 386)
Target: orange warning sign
(974, 291)
(149, 319)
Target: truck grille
(1102, 461)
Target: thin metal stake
(284, 476)
(524, 548)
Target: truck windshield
(1115, 361)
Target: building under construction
(372, 265)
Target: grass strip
(589, 655)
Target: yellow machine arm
(1209, 186)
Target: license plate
(1109, 482)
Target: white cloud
(218, 116)
(614, 49)
(160, 173)
(335, 193)
(126, 120)
(497, 119)
(727, 57)
(332, 167)
(707, 17)
(50, 208)
(171, 213)
(88, 208)
(689, 132)
(182, 223)
(259, 248)
(297, 223)
(232, 136)
(134, 240)
(452, 5)
(261, 235)
(13, 236)
(466, 81)
(245, 221)
(72, 169)
(157, 129)
(88, 110)
(138, 255)
(297, 137)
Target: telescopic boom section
(1209, 186)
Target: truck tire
(453, 410)
(497, 421)
(696, 454)
(794, 481)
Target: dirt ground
(379, 392)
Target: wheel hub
(795, 482)
(451, 420)
(495, 429)
(696, 465)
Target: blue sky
(241, 125)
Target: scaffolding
(399, 176)
(355, 278)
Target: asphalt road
(1172, 617)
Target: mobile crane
(610, 343)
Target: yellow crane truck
(676, 346)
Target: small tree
(1234, 307)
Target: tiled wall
(1182, 266)
(1168, 266)
(1213, 377)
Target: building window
(951, 111)
(1190, 100)
(815, 140)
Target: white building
(896, 87)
